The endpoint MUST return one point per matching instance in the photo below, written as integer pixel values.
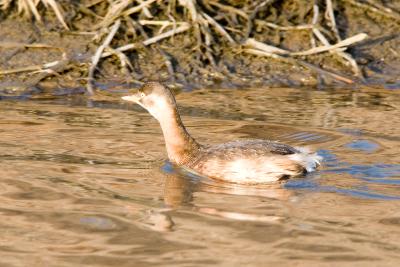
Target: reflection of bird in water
(178, 190)
(180, 186)
(157, 221)
(243, 162)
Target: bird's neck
(181, 147)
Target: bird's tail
(310, 161)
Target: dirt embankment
(191, 44)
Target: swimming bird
(253, 161)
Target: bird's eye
(142, 94)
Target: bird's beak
(132, 98)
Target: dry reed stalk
(114, 11)
(344, 43)
(53, 4)
(119, 8)
(314, 22)
(251, 42)
(163, 23)
(190, 5)
(284, 28)
(219, 28)
(253, 15)
(229, 9)
(31, 68)
(329, 14)
(184, 27)
(97, 56)
(24, 45)
(46, 67)
(146, 11)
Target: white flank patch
(259, 170)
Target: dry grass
(212, 28)
(29, 8)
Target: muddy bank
(213, 44)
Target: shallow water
(87, 184)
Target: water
(87, 184)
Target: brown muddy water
(86, 183)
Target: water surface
(86, 183)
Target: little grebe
(243, 161)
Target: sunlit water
(86, 183)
